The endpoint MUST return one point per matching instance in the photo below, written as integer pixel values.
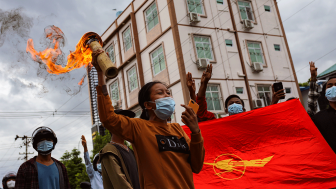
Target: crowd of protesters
(146, 166)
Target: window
(277, 47)
(213, 98)
(158, 61)
(221, 2)
(267, 8)
(152, 18)
(132, 79)
(255, 51)
(110, 51)
(264, 92)
(195, 6)
(228, 42)
(114, 89)
(203, 47)
(288, 90)
(127, 39)
(245, 9)
(239, 90)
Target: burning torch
(94, 42)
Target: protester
(42, 171)
(8, 181)
(234, 105)
(119, 167)
(93, 171)
(203, 114)
(165, 154)
(325, 119)
(313, 94)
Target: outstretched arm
(88, 164)
(277, 95)
(204, 81)
(128, 128)
(191, 86)
(313, 95)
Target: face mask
(44, 146)
(99, 167)
(11, 184)
(235, 109)
(331, 94)
(164, 107)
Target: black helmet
(10, 175)
(43, 132)
(95, 161)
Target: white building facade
(165, 39)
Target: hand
(94, 62)
(84, 143)
(313, 70)
(207, 74)
(191, 83)
(277, 95)
(190, 119)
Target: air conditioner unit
(257, 67)
(202, 63)
(248, 24)
(259, 103)
(194, 17)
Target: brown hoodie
(166, 156)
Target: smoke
(14, 23)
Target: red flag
(274, 147)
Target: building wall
(228, 72)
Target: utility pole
(26, 141)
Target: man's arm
(277, 95)
(112, 172)
(313, 95)
(20, 181)
(191, 86)
(88, 165)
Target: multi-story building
(165, 39)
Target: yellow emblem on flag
(232, 167)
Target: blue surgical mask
(331, 94)
(99, 167)
(165, 107)
(235, 109)
(45, 146)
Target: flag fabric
(273, 147)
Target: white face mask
(11, 184)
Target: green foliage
(99, 143)
(75, 168)
(306, 84)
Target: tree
(75, 168)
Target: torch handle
(108, 67)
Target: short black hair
(233, 96)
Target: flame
(81, 57)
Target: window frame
(270, 90)
(240, 93)
(112, 45)
(131, 36)
(204, 15)
(262, 48)
(128, 79)
(164, 57)
(270, 10)
(221, 101)
(275, 48)
(212, 49)
(158, 15)
(253, 12)
(118, 88)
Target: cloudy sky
(30, 98)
